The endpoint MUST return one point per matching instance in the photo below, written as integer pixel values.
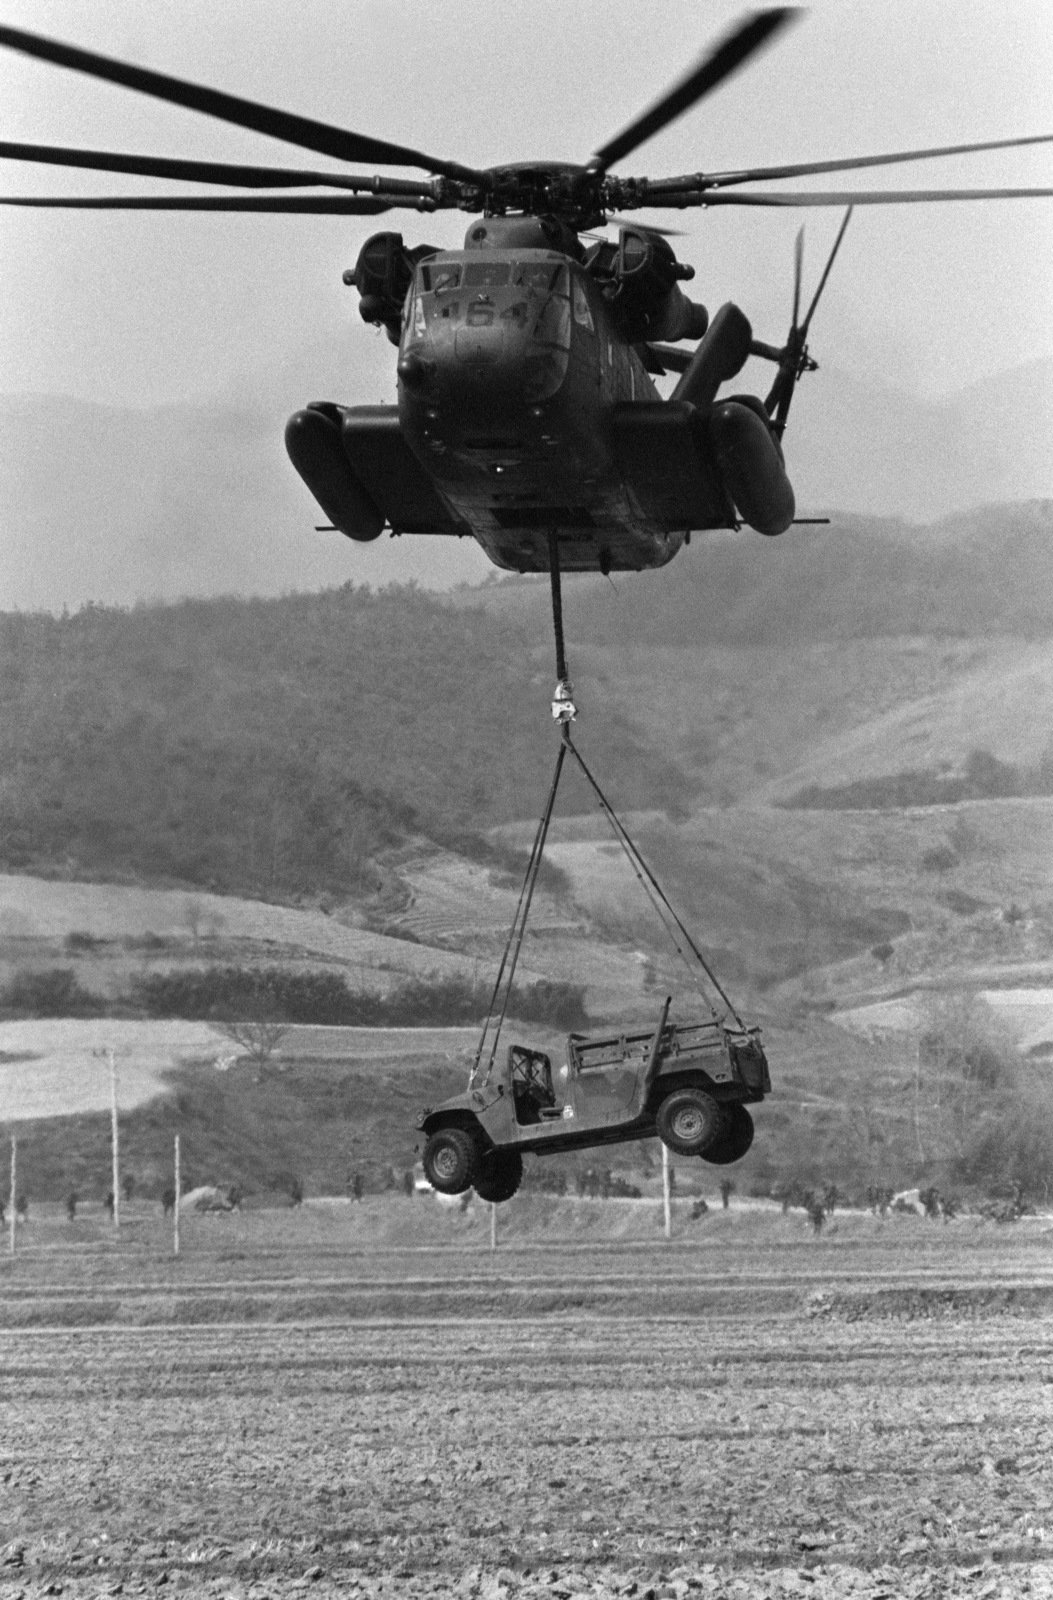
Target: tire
(499, 1174)
(689, 1121)
(734, 1141)
(450, 1159)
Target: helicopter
(527, 415)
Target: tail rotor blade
(795, 359)
(826, 270)
(798, 271)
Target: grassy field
(367, 1400)
(56, 1067)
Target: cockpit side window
(440, 275)
(582, 313)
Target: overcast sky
(139, 310)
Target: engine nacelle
(382, 275)
(641, 274)
(679, 318)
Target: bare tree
(192, 915)
(199, 918)
(965, 1074)
(258, 1040)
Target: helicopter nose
(415, 371)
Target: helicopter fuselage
(509, 373)
(526, 412)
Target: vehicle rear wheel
(450, 1160)
(499, 1174)
(689, 1121)
(734, 1141)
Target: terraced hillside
(208, 925)
(834, 752)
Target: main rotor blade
(710, 71)
(234, 175)
(800, 169)
(285, 125)
(641, 227)
(843, 197)
(323, 205)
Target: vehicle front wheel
(498, 1176)
(689, 1121)
(734, 1141)
(450, 1159)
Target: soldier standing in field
(816, 1213)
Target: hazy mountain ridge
(116, 505)
(863, 446)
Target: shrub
(941, 858)
(276, 994)
(51, 992)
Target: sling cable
(564, 712)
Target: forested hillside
(978, 573)
(273, 747)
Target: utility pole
(109, 1055)
(14, 1191)
(178, 1197)
(667, 1205)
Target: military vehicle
(689, 1083)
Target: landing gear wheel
(689, 1121)
(498, 1176)
(450, 1160)
(734, 1141)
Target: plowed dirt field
(866, 1414)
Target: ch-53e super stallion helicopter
(527, 417)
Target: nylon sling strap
(647, 878)
(502, 990)
(557, 607)
(513, 945)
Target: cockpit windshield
(486, 274)
(537, 277)
(544, 277)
